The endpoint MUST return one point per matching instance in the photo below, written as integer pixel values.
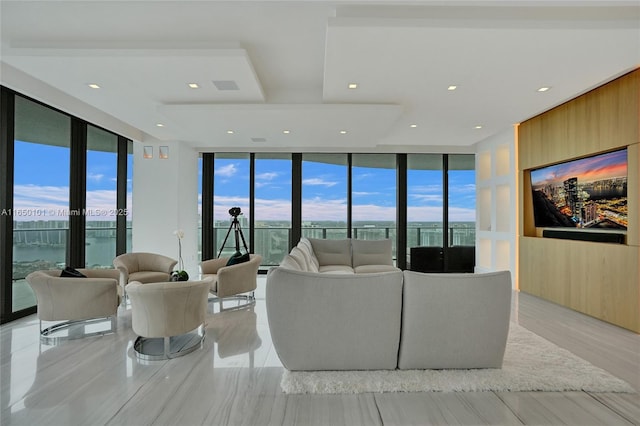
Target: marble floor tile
(234, 379)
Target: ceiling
(292, 61)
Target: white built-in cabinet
(496, 202)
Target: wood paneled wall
(599, 279)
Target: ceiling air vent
(259, 139)
(225, 85)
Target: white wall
(496, 204)
(165, 198)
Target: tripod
(237, 231)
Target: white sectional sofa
(387, 320)
(348, 256)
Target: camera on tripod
(237, 232)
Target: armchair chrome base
(249, 299)
(161, 348)
(78, 329)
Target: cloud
(227, 171)
(462, 189)
(364, 193)
(427, 198)
(319, 182)
(96, 177)
(34, 202)
(422, 189)
(267, 176)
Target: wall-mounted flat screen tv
(584, 193)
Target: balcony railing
(45, 248)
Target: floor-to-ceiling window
(373, 194)
(425, 192)
(64, 199)
(40, 194)
(231, 189)
(129, 198)
(424, 203)
(461, 213)
(272, 206)
(462, 200)
(102, 207)
(200, 180)
(324, 196)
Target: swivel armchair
(76, 302)
(165, 315)
(230, 282)
(143, 267)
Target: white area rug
(531, 363)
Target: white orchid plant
(181, 273)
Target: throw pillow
(69, 272)
(238, 257)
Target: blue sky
(41, 182)
(42, 185)
(324, 188)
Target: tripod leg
(225, 240)
(243, 240)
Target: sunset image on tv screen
(586, 193)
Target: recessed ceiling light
(478, 127)
(286, 132)
(544, 89)
(93, 86)
(159, 125)
(413, 126)
(353, 85)
(230, 132)
(452, 87)
(193, 85)
(343, 132)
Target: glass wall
(231, 189)
(462, 200)
(129, 243)
(272, 207)
(425, 194)
(40, 194)
(324, 195)
(102, 210)
(51, 161)
(374, 192)
(200, 206)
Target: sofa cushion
(370, 269)
(149, 277)
(371, 252)
(307, 250)
(332, 252)
(309, 257)
(290, 263)
(333, 322)
(336, 269)
(298, 256)
(454, 320)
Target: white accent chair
(234, 281)
(143, 267)
(75, 301)
(165, 315)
